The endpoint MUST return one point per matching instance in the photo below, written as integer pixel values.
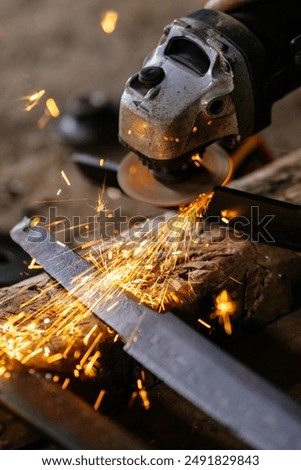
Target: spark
(100, 201)
(65, 383)
(55, 326)
(89, 334)
(197, 160)
(116, 337)
(31, 355)
(144, 397)
(108, 21)
(229, 214)
(142, 268)
(65, 178)
(59, 192)
(52, 108)
(224, 308)
(101, 162)
(133, 398)
(142, 392)
(33, 99)
(89, 369)
(99, 399)
(90, 349)
(202, 322)
(33, 265)
(35, 221)
(54, 358)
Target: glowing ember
(108, 21)
(224, 308)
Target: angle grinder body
(212, 78)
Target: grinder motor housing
(213, 77)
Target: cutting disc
(138, 181)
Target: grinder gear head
(186, 96)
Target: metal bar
(193, 366)
(60, 414)
(259, 218)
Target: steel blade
(193, 366)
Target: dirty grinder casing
(212, 77)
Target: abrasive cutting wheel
(140, 183)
